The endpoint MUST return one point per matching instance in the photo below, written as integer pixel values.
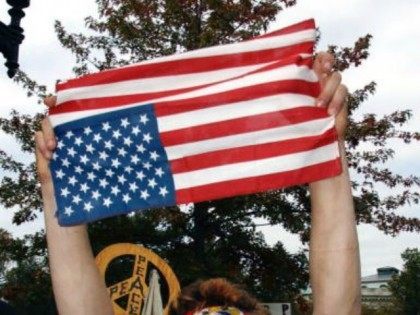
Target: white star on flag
(87, 206)
(65, 192)
(107, 202)
(126, 198)
(68, 211)
(144, 194)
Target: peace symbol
(135, 288)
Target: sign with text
(126, 269)
(279, 308)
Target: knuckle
(320, 56)
(38, 137)
(344, 89)
(49, 100)
(336, 76)
(335, 103)
(323, 93)
(46, 128)
(325, 54)
(44, 123)
(330, 56)
(43, 176)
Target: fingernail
(328, 66)
(320, 103)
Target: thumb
(42, 164)
(44, 177)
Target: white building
(375, 290)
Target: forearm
(334, 251)
(78, 286)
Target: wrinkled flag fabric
(201, 125)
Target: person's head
(216, 296)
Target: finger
(41, 146)
(338, 101)
(341, 120)
(328, 90)
(48, 132)
(323, 79)
(44, 174)
(323, 63)
(50, 101)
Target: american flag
(206, 124)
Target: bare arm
(78, 286)
(334, 249)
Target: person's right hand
(333, 94)
(45, 144)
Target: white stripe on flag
(155, 84)
(306, 129)
(291, 72)
(252, 107)
(255, 168)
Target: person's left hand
(333, 94)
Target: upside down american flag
(205, 124)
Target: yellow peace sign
(135, 288)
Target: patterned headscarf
(217, 310)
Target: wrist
(341, 177)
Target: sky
(392, 64)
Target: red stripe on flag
(298, 27)
(185, 66)
(260, 183)
(238, 95)
(250, 153)
(242, 125)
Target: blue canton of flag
(110, 164)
